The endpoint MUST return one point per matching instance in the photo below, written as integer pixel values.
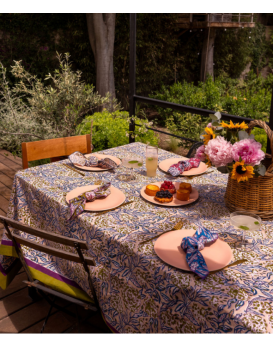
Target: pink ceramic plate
(193, 196)
(165, 165)
(113, 200)
(99, 156)
(217, 255)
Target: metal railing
(248, 18)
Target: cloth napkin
(79, 159)
(77, 204)
(192, 245)
(183, 165)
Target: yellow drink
(151, 166)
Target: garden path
(18, 313)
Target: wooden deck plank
(9, 163)
(2, 213)
(4, 204)
(7, 170)
(57, 323)
(14, 302)
(10, 156)
(24, 318)
(7, 181)
(5, 191)
(15, 285)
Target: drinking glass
(245, 221)
(132, 161)
(151, 160)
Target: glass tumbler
(151, 160)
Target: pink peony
(249, 150)
(219, 151)
(209, 125)
(200, 153)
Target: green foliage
(112, 130)
(164, 53)
(155, 53)
(186, 125)
(173, 144)
(64, 102)
(32, 38)
(32, 110)
(249, 99)
(78, 44)
(232, 50)
(260, 136)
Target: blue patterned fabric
(137, 291)
(192, 245)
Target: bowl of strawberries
(168, 185)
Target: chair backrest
(47, 236)
(55, 148)
(77, 244)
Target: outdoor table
(136, 290)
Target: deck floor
(18, 313)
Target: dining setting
(170, 257)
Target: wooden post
(207, 54)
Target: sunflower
(236, 126)
(208, 136)
(240, 172)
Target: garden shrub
(34, 110)
(112, 130)
(187, 125)
(250, 98)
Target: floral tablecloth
(137, 291)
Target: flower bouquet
(250, 182)
(231, 146)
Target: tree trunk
(207, 54)
(101, 31)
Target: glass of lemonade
(131, 162)
(245, 221)
(151, 160)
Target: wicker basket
(256, 194)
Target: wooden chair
(55, 148)
(43, 289)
